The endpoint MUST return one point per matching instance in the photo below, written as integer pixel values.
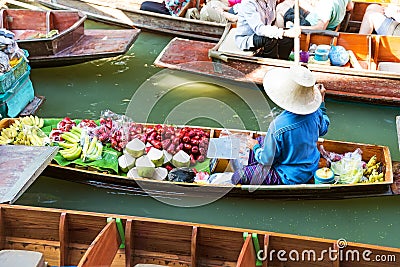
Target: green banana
(92, 145)
(70, 137)
(73, 155)
(97, 155)
(66, 145)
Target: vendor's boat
(128, 12)
(371, 75)
(55, 38)
(387, 186)
(63, 236)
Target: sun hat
(293, 89)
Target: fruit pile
(77, 144)
(373, 171)
(24, 131)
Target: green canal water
(83, 91)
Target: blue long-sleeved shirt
(290, 145)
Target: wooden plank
(20, 166)
(103, 249)
(33, 106)
(247, 256)
(266, 250)
(193, 247)
(64, 239)
(129, 248)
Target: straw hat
(293, 89)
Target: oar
(296, 26)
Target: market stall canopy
(20, 166)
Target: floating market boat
(56, 38)
(63, 236)
(90, 174)
(128, 12)
(372, 76)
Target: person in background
(256, 30)
(381, 20)
(323, 15)
(167, 7)
(220, 11)
(288, 153)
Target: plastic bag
(349, 169)
(185, 175)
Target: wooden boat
(128, 12)
(389, 186)
(63, 236)
(55, 38)
(372, 74)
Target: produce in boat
(126, 162)
(185, 175)
(145, 167)
(160, 174)
(135, 148)
(156, 156)
(181, 159)
(24, 131)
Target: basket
(17, 97)
(8, 79)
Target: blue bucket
(324, 180)
(322, 52)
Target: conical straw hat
(293, 89)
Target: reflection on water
(83, 91)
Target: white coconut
(181, 159)
(135, 148)
(160, 174)
(132, 173)
(156, 156)
(126, 162)
(145, 167)
(167, 157)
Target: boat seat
(24, 258)
(389, 66)
(228, 45)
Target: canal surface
(83, 91)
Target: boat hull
(341, 85)
(129, 13)
(71, 44)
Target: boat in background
(372, 74)
(128, 12)
(63, 236)
(58, 38)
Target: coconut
(160, 174)
(135, 148)
(126, 162)
(167, 157)
(181, 159)
(145, 167)
(132, 173)
(156, 156)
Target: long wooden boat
(389, 186)
(128, 12)
(372, 74)
(55, 38)
(63, 236)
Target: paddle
(297, 39)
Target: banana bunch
(19, 133)
(78, 144)
(73, 136)
(7, 136)
(92, 150)
(371, 172)
(32, 121)
(72, 152)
